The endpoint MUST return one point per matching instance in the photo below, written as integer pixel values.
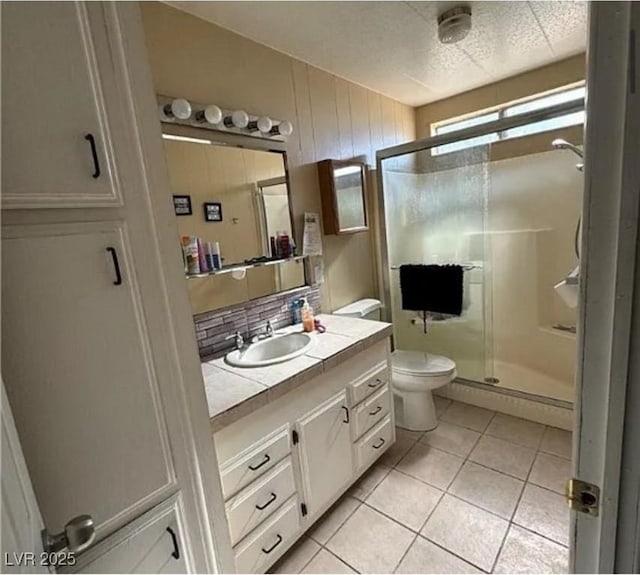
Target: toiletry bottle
(284, 240)
(296, 313)
(215, 255)
(208, 256)
(307, 317)
(202, 259)
(190, 244)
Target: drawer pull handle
(94, 155)
(377, 383)
(116, 266)
(346, 414)
(376, 410)
(382, 442)
(263, 462)
(278, 541)
(272, 498)
(176, 550)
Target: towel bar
(465, 267)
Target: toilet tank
(363, 308)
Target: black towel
(432, 288)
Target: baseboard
(532, 410)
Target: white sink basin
(269, 351)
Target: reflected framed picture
(182, 205)
(213, 212)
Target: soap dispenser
(307, 317)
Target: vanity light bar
(212, 117)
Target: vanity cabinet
(326, 455)
(339, 424)
(58, 106)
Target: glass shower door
(435, 204)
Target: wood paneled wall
(332, 118)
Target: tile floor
(481, 493)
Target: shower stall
(508, 215)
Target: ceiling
(393, 47)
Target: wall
(332, 118)
(515, 88)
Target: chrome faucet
(239, 340)
(268, 332)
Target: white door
(21, 520)
(78, 368)
(608, 371)
(326, 456)
(53, 95)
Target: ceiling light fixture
(454, 24)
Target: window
(536, 102)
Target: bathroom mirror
(239, 199)
(343, 190)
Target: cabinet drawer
(259, 500)
(374, 443)
(368, 384)
(254, 461)
(261, 549)
(369, 412)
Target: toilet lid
(421, 363)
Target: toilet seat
(421, 364)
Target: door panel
(21, 519)
(326, 455)
(76, 360)
(48, 109)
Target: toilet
(414, 374)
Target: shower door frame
(431, 142)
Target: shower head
(560, 144)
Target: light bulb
(284, 128)
(239, 119)
(263, 124)
(212, 114)
(179, 108)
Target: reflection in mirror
(349, 184)
(251, 187)
(274, 210)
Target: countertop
(234, 392)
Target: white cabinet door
(326, 457)
(152, 543)
(56, 145)
(78, 370)
(21, 519)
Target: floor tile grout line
(331, 509)
(312, 557)
(450, 552)
(545, 537)
(340, 559)
(515, 510)
(406, 551)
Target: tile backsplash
(248, 318)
